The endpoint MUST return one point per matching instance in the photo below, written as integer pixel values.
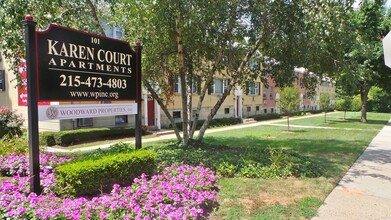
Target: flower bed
(175, 192)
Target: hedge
(97, 174)
(217, 122)
(69, 137)
(263, 117)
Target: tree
(344, 104)
(324, 103)
(379, 100)
(71, 13)
(363, 65)
(192, 41)
(289, 100)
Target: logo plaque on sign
(52, 112)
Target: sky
(388, 3)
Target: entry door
(151, 111)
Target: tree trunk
(228, 89)
(189, 93)
(344, 115)
(182, 76)
(364, 100)
(95, 17)
(325, 112)
(165, 110)
(209, 78)
(288, 123)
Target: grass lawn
(336, 120)
(292, 198)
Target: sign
(65, 64)
(77, 66)
(59, 112)
(387, 49)
(22, 89)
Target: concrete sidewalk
(365, 190)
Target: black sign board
(75, 65)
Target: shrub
(69, 137)
(46, 138)
(95, 174)
(15, 144)
(315, 111)
(217, 122)
(263, 117)
(246, 161)
(226, 169)
(10, 123)
(356, 104)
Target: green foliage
(289, 99)
(16, 144)
(239, 161)
(308, 206)
(274, 31)
(324, 101)
(69, 137)
(10, 123)
(74, 14)
(315, 111)
(217, 122)
(263, 117)
(226, 169)
(97, 174)
(46, 138)
(356, 103)
(363, 65)
(343, 104)
(379, 100)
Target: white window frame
(223, 86)
(253, 88)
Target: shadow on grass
(370, 122)
(294, 131)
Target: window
(271, 93)
(84, 122)
(257, 108)
(178, 87)
(264, 97)
(265, 110)
(219, 86)
(121, 119)
(226, 111)
(248, 108)
(176, 114)
(272, 110)
(253, 88)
